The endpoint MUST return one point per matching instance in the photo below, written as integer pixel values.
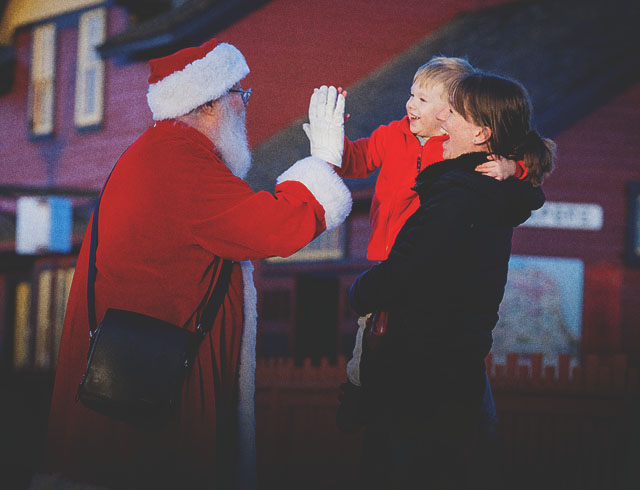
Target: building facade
(74, 99)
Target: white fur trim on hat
(199, 82)
(326, 186)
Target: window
(90, 69)
(43, 60)
(633, 231)
(40, 305)
(42, 358)
(316, 331)
(23, 334)
(276, 306)
(61, 290)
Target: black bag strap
(204, 325)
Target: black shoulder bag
(137, 364)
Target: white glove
(325, 129)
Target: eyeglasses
(246, 94)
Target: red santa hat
(182, 81)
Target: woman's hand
(499, 168)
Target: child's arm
(359, 158)
(501, 168)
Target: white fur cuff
(325, 185)
(246, 476)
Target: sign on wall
(567, 215)
(542, 308)
(43, 224)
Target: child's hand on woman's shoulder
(499, 168)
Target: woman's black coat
(442, 285)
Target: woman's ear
(483, 134)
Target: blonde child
(400, 150)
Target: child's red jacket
(398, 154)
(396, 151)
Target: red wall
(597, 157)
(290, 46)
(70, 158)
(293, 46)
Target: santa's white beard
(230, 139)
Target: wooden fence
(561, 425)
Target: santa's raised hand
(325, 128)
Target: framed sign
(567, 216)
(541, 311)
(633, 224)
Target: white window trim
(89, 64)
(41, 84)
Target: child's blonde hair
(442, 70)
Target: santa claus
(175, 205)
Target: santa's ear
(209, 108)
(483, 134)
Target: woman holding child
(401, 150)
(441, 284)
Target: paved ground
(24, 405)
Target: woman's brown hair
(503, 105)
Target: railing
(561, 426)
(520, 373)
(568, 426)
(594, 376)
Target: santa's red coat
(170, 207)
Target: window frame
(89, 61)
(633, 224)
(41, 93)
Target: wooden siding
(596, 155)
(296, 51)
(597, 158)
(71, 158)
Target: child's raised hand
(344, 94)
(499, 168)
